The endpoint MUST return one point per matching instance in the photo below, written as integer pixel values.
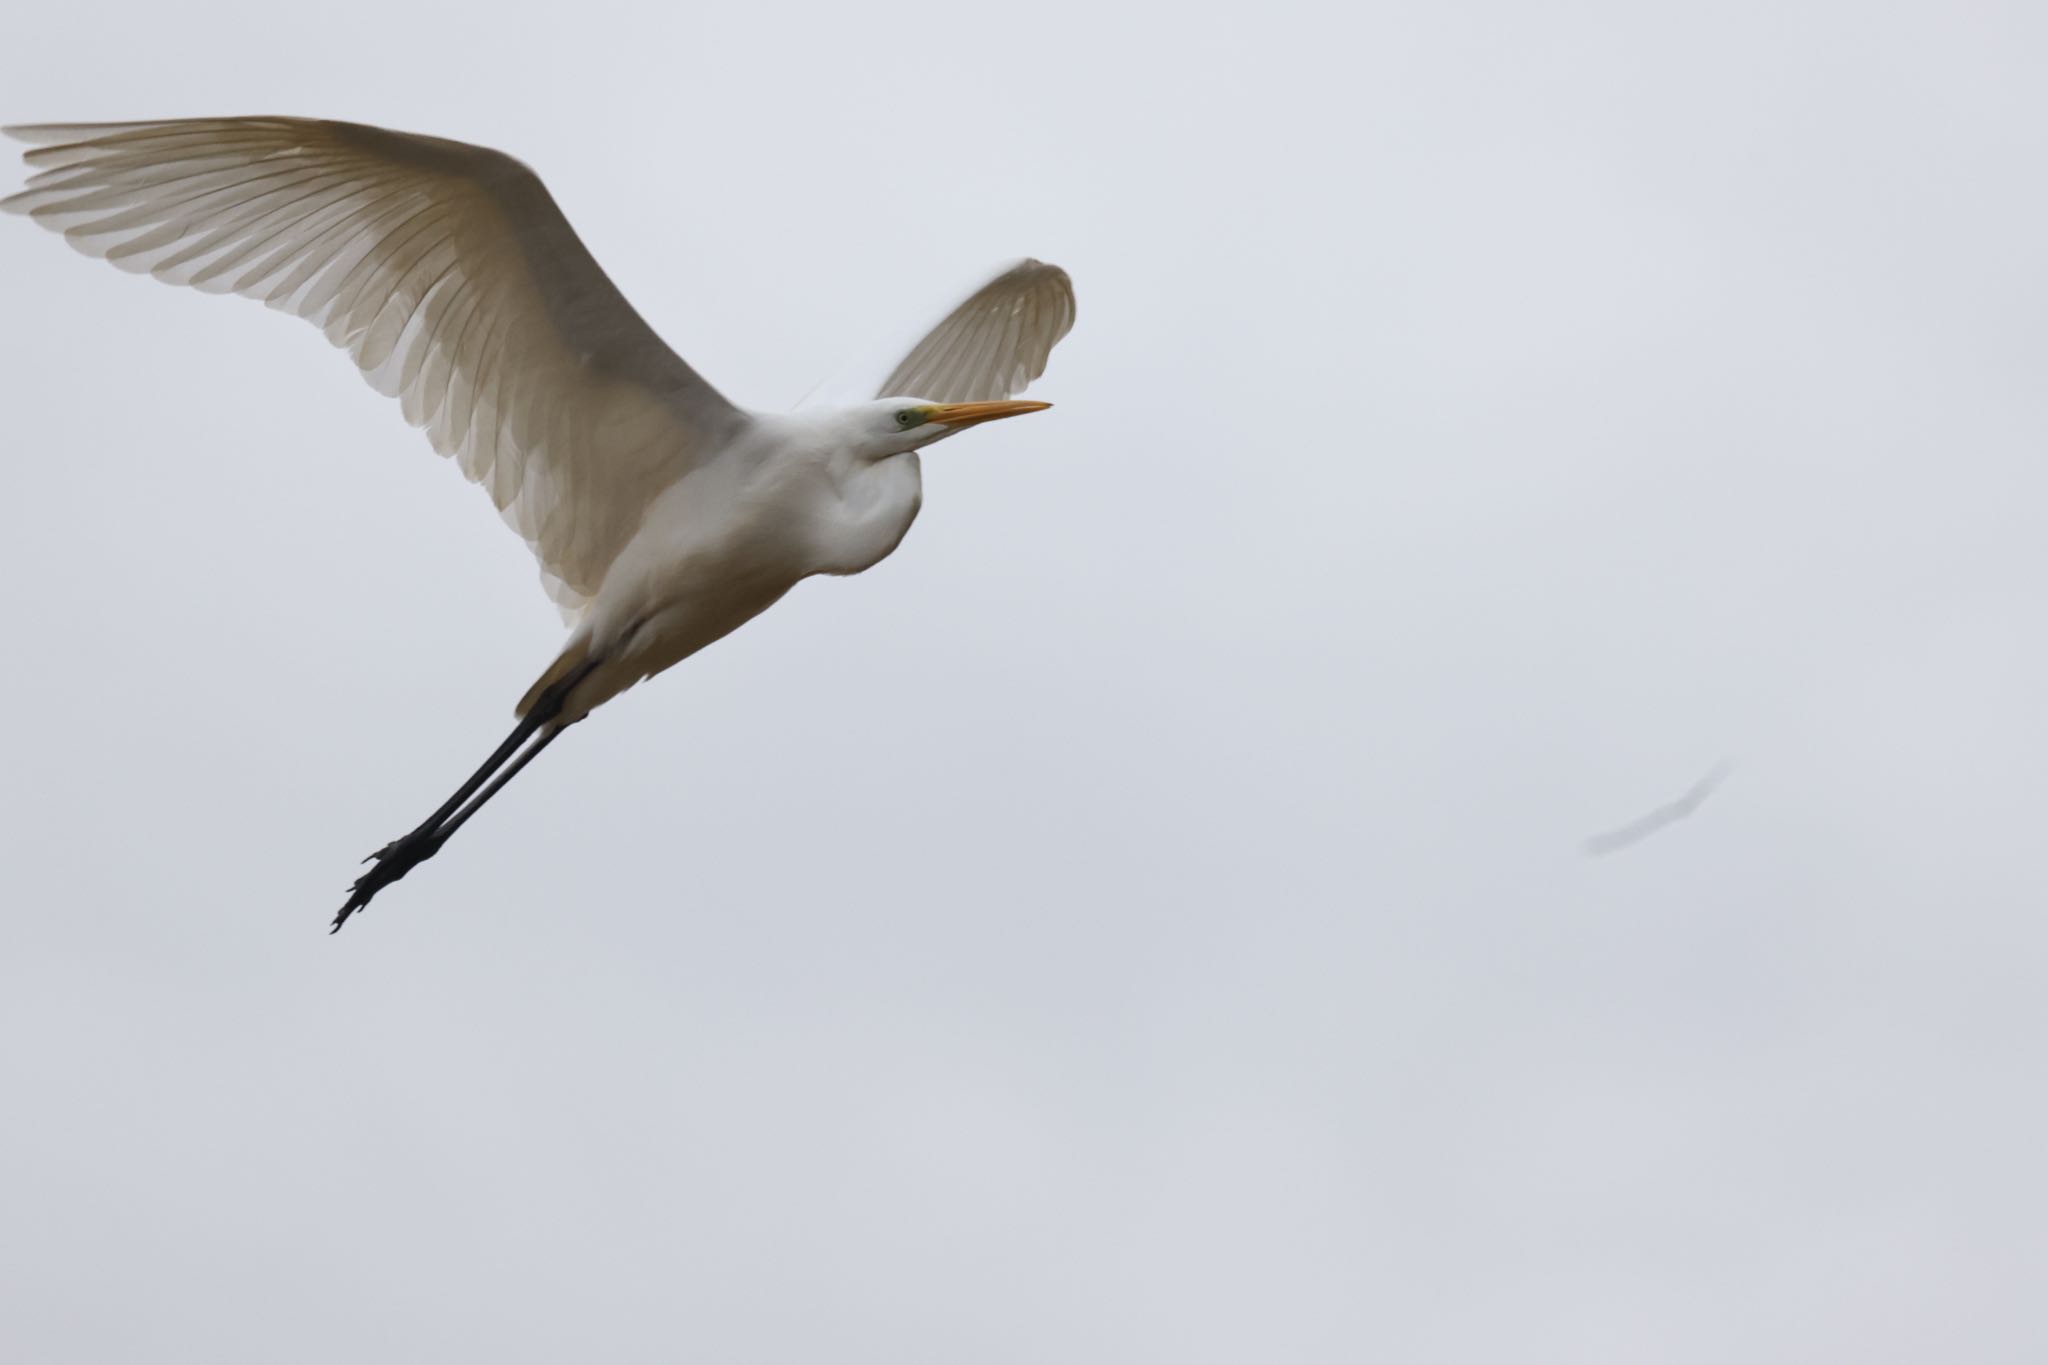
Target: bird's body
(788, 498)
(663, 515)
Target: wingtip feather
(51, 134)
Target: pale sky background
(1145, 919)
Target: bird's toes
(389, 863)
(406, 849)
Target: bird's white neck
(877, 500)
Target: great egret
(664, 516)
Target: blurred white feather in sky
(1670, 813)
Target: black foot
(393, 861)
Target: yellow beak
(968, 414)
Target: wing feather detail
(448, 274)
(994, 344)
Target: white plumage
(663, 516)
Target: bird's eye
(907, 417)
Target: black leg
(531, 752)
(408, 851)
(520, 734)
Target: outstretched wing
(988, 347)
(994, 344)
(447, 273)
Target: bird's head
(891, 426)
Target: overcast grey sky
(1145, 919)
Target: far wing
(987, 347)
(994, 343)
(448, 274)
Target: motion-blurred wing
(994, 344)
(447, 273)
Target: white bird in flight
(664, 516)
